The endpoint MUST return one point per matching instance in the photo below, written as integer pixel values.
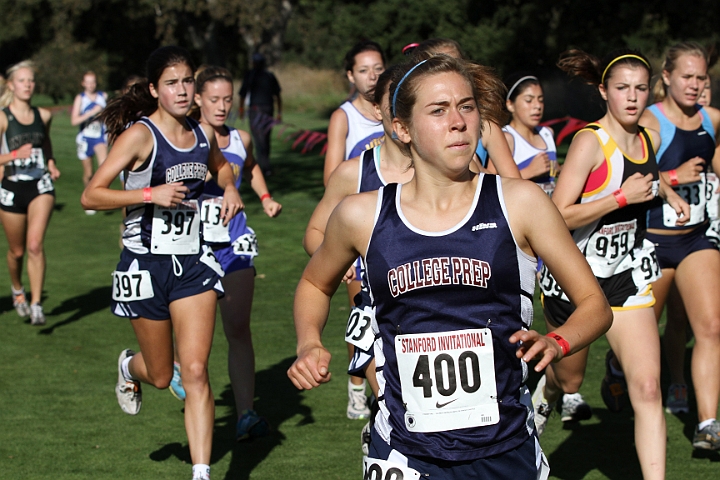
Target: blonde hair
(6, 95)
(669, 64)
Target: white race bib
(447, 380)
(7, 197)
(376, 469)
(132, 286)
(695, 195)
(93, 130)
(246, 244)
(213, 229)
(358, 331)
(209, 259)
(176, 231)
(646, 268)
(45, 184)
(607, 248)
(711, 187)
(549, 286)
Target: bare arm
(76, 118)
(500, 155)
(349, 227)
(22, 152)
(337, 131)
(551, 240)
(254, 174)
(47, 145)
(343, 182)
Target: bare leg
(235, 308)
(634, 339)
(193, 320)
(675, 337)
(101, 153)
(87, 170)
(15, 225)
(38, 217)
(698, 280)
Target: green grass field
(59, 418)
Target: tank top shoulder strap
(707, 124)
(667, 128)
(607, 143)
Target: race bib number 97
(132, 286)
(447, 380)
(176, 231)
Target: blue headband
(397, 89)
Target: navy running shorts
(169, 277)
(672, 249)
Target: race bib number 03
(176, 231)
(375, 469)
(132, 286)
(213, 229)
(447, 380)
(358, 331)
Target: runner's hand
(690, 171)
(231, 205)
(536, 346)
(271, 207)
(169, 195)
(311, 368)
(637, 188)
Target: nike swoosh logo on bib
(441, 405)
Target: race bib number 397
(176, 231)
(447, 380)
(132, 286)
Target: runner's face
(215, 102)
(365, 73)
(22, 84)
(528, 107)
(686, 82)
(627, 93)
(445, 121)
(89, 83)
(175, 89)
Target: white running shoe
(541, 408)
(357, 408)
(574, 408)
(128, 392)
(20, 303)
(37, 317)
(90, 212)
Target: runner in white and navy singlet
(363, 133)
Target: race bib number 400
(447, 380)
(213, 229)
(176, 231)
(132, 286)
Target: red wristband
(14, 154)
(673, 178)
(564, 345)
(147, 195)
(264, 197)
(620, 198)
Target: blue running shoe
(251, 425)
(176, 387)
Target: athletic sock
(17, 292)
(357, 388)
(706, 423)
(125, 370)
(201, 471)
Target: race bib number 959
(447, 380)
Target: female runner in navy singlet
(687, 257)
(234, 245)
(165, 281)
(27, 195)
(451, 264)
